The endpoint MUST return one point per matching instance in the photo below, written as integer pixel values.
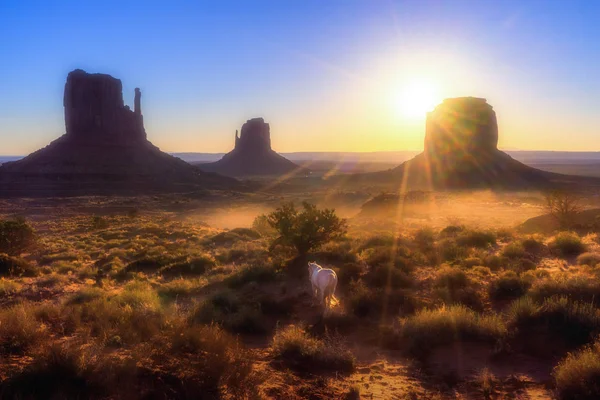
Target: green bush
(307, 229)
(567, 244)
(14, 266)
(578, 375)
(16, 236)
(451, 251)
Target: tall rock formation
(104, 150)
(461, 151)
(252, 154)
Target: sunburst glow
(416, 98)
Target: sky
(328, 75)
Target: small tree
(563, 206)
(16, 236)
(305, 229)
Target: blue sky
(327, 75)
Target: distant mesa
(461, 151)
(252, 154)
(104, 150)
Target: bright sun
(416, 98)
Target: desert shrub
(449, 250)
(16, 236)
(388, 276)
(452, 285)
(178, 288)
(495, 262)
(533, 245)
(471, 262)
(425, 238)
(591, 259)
(353, 393)
(379, 240)
(54, 257)
(231, 312)
(60, 372)
(262, 226)
(452, 278)
(563, 206)
(246, 233)
(192, 267)
(576, 287)
(481, 271)
(486, 381)
(131, 317)
(51, 280)
(19, 330)
(514, 250)
(451, 230)
(428, 329)
(578, 375)
(8, 287)
(15, 266)
(508, 285)
(85, 295)
(363, 301)
(478, 239)
(147, 264)
(387, 256)
(305, 230)
(260, 273)
(567, 244)
(222, 366)
(349, 272)
(571, 322)
(297, 350)
(99, 222)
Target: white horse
(324, 282)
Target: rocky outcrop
(461, 125)
(104, 150)
(252, 154)
(460, 151)
(96, 114)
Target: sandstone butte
(104, 150)
(252, 154)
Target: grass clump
(591, 259)
(514, 251)
(86, 295)
(508, 286)
(563, 323)
(575, 287)
(475, 238)
(193, 267)
(452, 285)
(261, 273)
(297, 350)
(432, 328)
(578, 375)
(567, 244)
(231, 312)
(8, 287)
(19, 329)
(15, 266)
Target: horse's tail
(329, 291)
